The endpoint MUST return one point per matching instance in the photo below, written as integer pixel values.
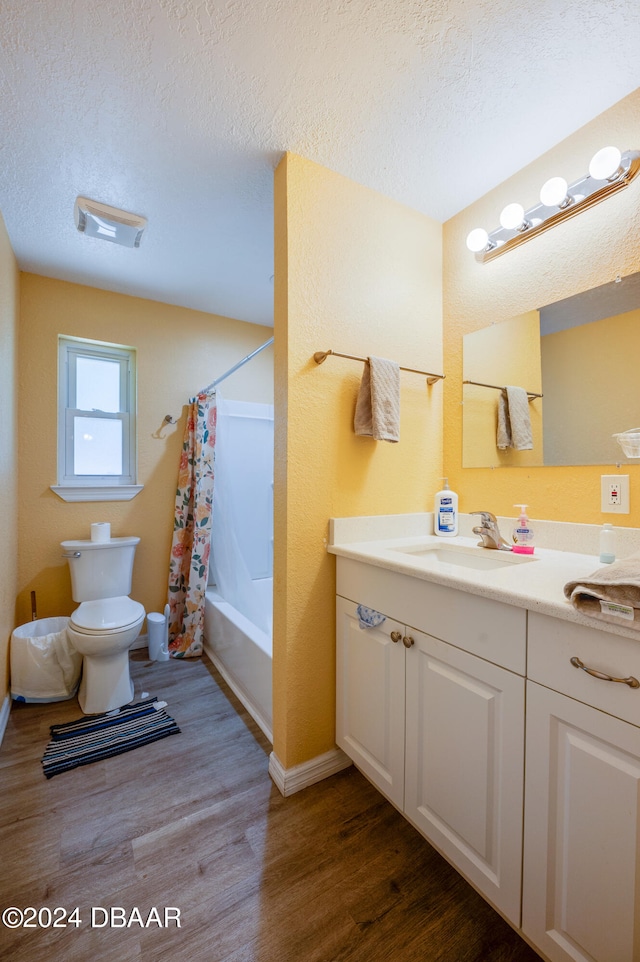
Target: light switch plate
(615, 493)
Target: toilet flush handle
(71, 554)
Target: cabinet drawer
(552, 644)
(484, 627)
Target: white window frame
(72, 487)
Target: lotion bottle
(445, 512)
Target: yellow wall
(357, 273)
(178, 353)
(501, 354)
(9, 306)
(606, 353)
(583, 252)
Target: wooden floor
(331, 874)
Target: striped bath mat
(100, 736)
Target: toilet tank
(100, 569)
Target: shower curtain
(189, 563)
(242, 523)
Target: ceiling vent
(108, 223)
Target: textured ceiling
(180, 109)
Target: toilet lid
(107, 614)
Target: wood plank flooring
(332, 874)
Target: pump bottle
(445, 512)
(523, 532)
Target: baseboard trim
(5, 708)
(288, 781)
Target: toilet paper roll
(101, 531)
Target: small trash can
(44, 665)
(158, 629)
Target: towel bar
(321, 356)
(496, 387)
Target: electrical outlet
(614, 493)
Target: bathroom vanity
(464, 709)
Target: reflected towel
(378, 404)
(514, 422)
(612, 593)
(368, 618)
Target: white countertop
(536, 583)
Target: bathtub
(242, 653)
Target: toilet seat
(112, 615)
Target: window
(96, 421)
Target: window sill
(97, 492)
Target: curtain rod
(235, 367)
(321, 356)
(496, 387)
(210, 387)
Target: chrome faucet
(489, 532)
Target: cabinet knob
(396, 636)
(408, 641)
(630, 681)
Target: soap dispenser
(523, 532)
(445, 512)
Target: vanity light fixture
(609, 172)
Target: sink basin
(481, 559)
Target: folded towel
(378, 404)
(368, 618)
(611, 593)
(514, 422)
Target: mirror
(582, 355)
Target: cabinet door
(464, 765)
(370, 699)
(581, 897)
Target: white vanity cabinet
(370, 699)
(581, 892)
(427, 711)
(464, 761)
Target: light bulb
(512, 217)
(605, 163)
(477, 239)
(554, 192)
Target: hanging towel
(368, 617)
(612, 593)
(378, 404)
(514, 422)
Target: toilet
(106, 623)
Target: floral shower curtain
(189, 564)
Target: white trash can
(158, 630)
(44, 665)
